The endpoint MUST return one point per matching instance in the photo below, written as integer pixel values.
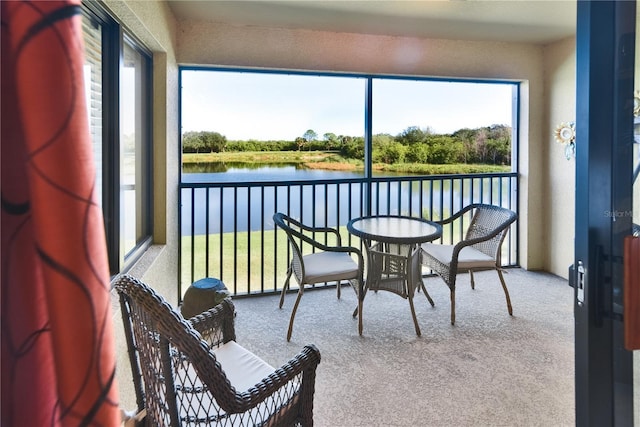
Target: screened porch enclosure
(374, 145)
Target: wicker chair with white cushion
(319, 257)
(479, 250)
(193, 373)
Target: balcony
(542, 194)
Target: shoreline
(333, 162)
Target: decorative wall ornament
(565, 134)
(636, 103)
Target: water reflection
(249, 172)
(233, 167)
(251, 208)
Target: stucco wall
(559, 194)
(202, 43)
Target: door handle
(580, 272)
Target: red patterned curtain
(58, 353)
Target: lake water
(214, 172)
(245, 209)
(252, 209)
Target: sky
(265, 106)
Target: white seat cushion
(329, 267)
(468, 258)
(243, 368)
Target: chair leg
(473, 283)
(453, 306)
(415, 319)
(285, 287)
(360, 304)
(426, 294)
(506, 292)
(360, 301)
(338, 287)
(293, 314)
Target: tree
(393, 153)
(380, 145)
(353, 148)
(418, 153)
(499, 151)
(310, 135)
(329, 136)
(481, 145)
(332, 140)
(214, 142)
(499, 132)
(467, 138)
(192, 142)
(345, 139)
(300, 141)
(412, 135)
(379, 141)
(203, 142)
(443, 149)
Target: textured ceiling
(527, 21)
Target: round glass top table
(392, 243)
(395, 229)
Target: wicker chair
(192, 372)
(316, 262)
(480, 249)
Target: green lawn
(258, 157)
(268, 266)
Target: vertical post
(368, 145)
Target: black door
(605, 159)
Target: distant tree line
(203, 142)
(487, 145)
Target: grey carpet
(490, 369)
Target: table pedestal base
(396, 268)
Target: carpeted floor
(490, 369)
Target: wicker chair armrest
(457, 214)
(306, 228)
(216, 325)
(320, 230)
(312, 229)
(348, 249)
(316, 243)
(304, 363)
(464, 243)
